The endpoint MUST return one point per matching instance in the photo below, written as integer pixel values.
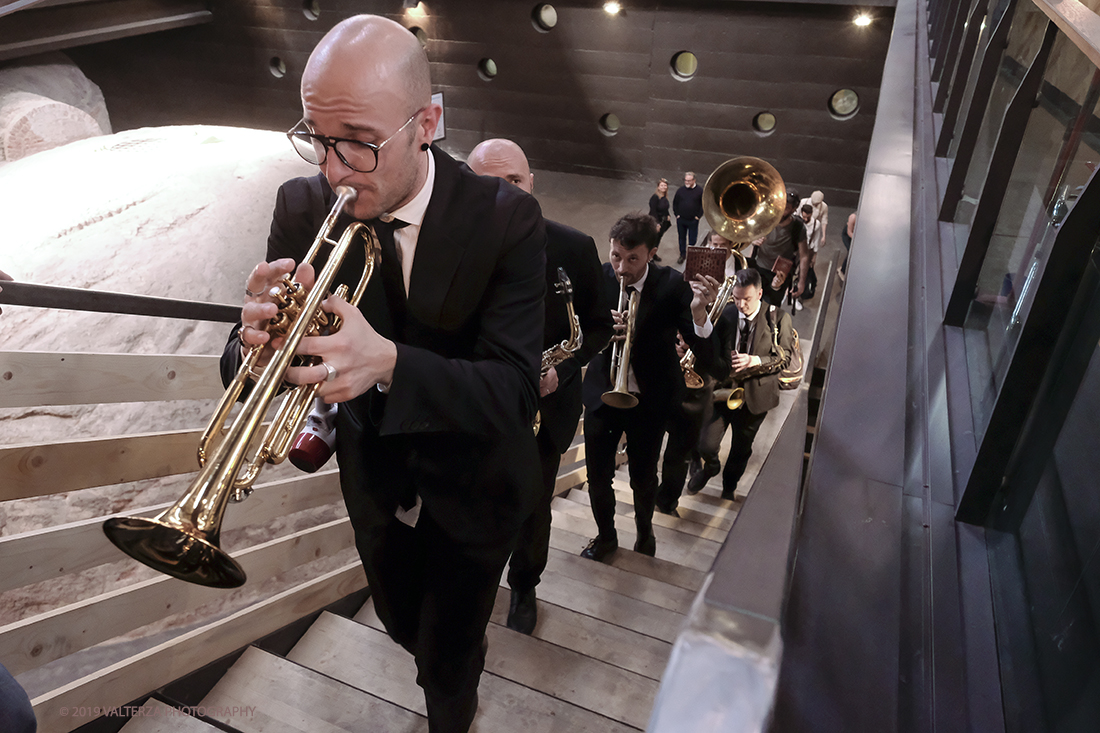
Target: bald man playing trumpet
(436, 371)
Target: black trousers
(745, 425)
(435, 596)
(644, 427)
(533, 546)
(684, 428)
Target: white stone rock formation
(47, 101)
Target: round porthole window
(311, 9)
(764, 123)
(487, 69)
(684, 65)
(277, 67)
(421, 36)
(545, 17)
(609, 124)
(843, 104)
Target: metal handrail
(50, 296)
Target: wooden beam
(1080, 24)
(40, 555)
(130, 678)
(38, 640)
(36, 378)
(50, 468)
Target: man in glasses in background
(436, 372)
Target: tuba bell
(182, 541)
(744, 199)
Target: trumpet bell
(175, 551)
(744, 198)
(621, 400)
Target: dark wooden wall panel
(552, 88)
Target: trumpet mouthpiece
(347, 192)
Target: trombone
(619, 396)
(182, 541)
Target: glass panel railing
(1061, 147)
(1024, 40)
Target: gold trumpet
(560, 352)
(182, 541)
(743, 200)
(619, 396)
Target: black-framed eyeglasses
(355, 154)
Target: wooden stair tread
(573, 541)
(511, 691)
(293, 699)
(653, 591)
(679, 548)
(703, 511)
(593, 637)
(614, 608)
(158, 717)
(679, 524)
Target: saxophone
(560, 352)
(734, 393)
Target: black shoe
(646, 545)
(599, 548)
(680, 260)
(727, 495)
(523, 613)
(670, 512)
(656, 258)
(696, 483)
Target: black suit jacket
(762, 391)
(575, 252)
(664, 308)
(455, 427)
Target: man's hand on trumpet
(353, 360)
(620, 325)
(260, 307)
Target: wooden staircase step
(289, 698)
(614, 608)
(704, 511)
(680, 548)
(624, 507)
(593, 637)
(158, 717)
(573, 542)
(601, 575)
(545, 697)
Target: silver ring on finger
(331, 371)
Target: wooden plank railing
(53, 554)
(36, 379)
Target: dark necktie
(392, 276)
(746, 333)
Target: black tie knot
(388, 227)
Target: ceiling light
(862, 20)
(612, 7)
